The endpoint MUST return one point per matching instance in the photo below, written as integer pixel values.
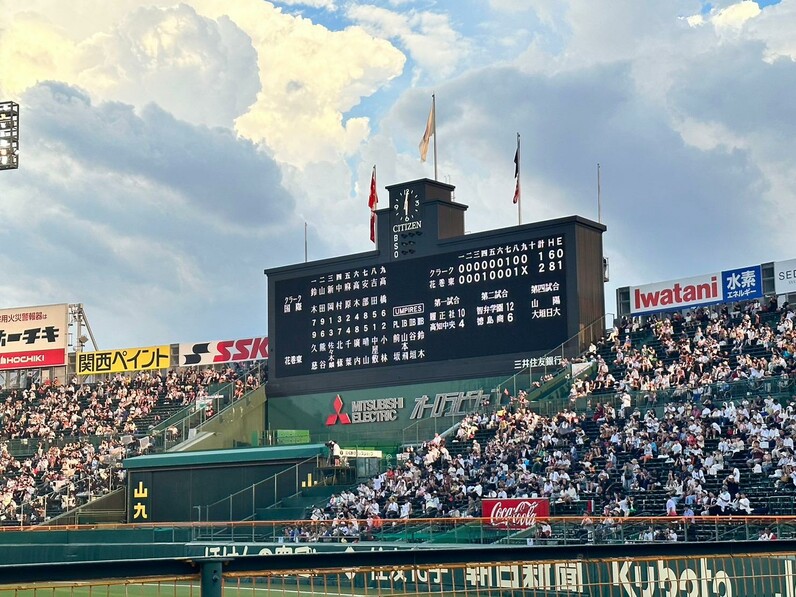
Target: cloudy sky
(170, 152)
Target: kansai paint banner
(513, 513)
(123, 360)
(33, 337)
(223, 351)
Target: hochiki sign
(33, 336)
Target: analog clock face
(406, 205)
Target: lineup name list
(496, 300)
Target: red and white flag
(373, 201)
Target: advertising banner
(33, 337)
(223, 351)
(205, 402)
(743, 284)
(785, 277)
(514, 513)
(123, 360)
(726, 575)
(728, 286)
(676, 294)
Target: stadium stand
(62, 444)
(685, 415)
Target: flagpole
(519, 196)
(599, 198)
(434, 120)
(373, 200)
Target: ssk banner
(223, 351)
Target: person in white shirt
(406, 509)
(392, 508)
(724, 499)
(671, 506)
(744, 506)
(432, 505)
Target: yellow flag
(431, 128)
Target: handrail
(190, 409)
(24, 446)
(493, 405)
(253, 487)
(74, 513)
(190, 415)
(778, 387)
(548, 358)
(29, 505)
(565, 529)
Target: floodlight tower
(9, 135)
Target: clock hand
(406, 202)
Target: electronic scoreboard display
(502, 298)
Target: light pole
(9, 135)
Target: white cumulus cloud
(429, 37)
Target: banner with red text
(223, 351)
(676, 294)
(33, 337)
(513, 513)
(740, 284)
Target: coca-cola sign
(514, 513)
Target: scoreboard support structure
(431, 303)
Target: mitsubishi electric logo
(378, 410)
(338, 415)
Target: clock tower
(421, 213)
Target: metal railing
(777, 387)
(564, 530)
(760, 570)
(459, 531)
(550, 362)
(180, 426)
(40, 505)
(243, 504)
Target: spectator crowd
(61, 444)
(662, 416)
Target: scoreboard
(432, 303)
(504, 298)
